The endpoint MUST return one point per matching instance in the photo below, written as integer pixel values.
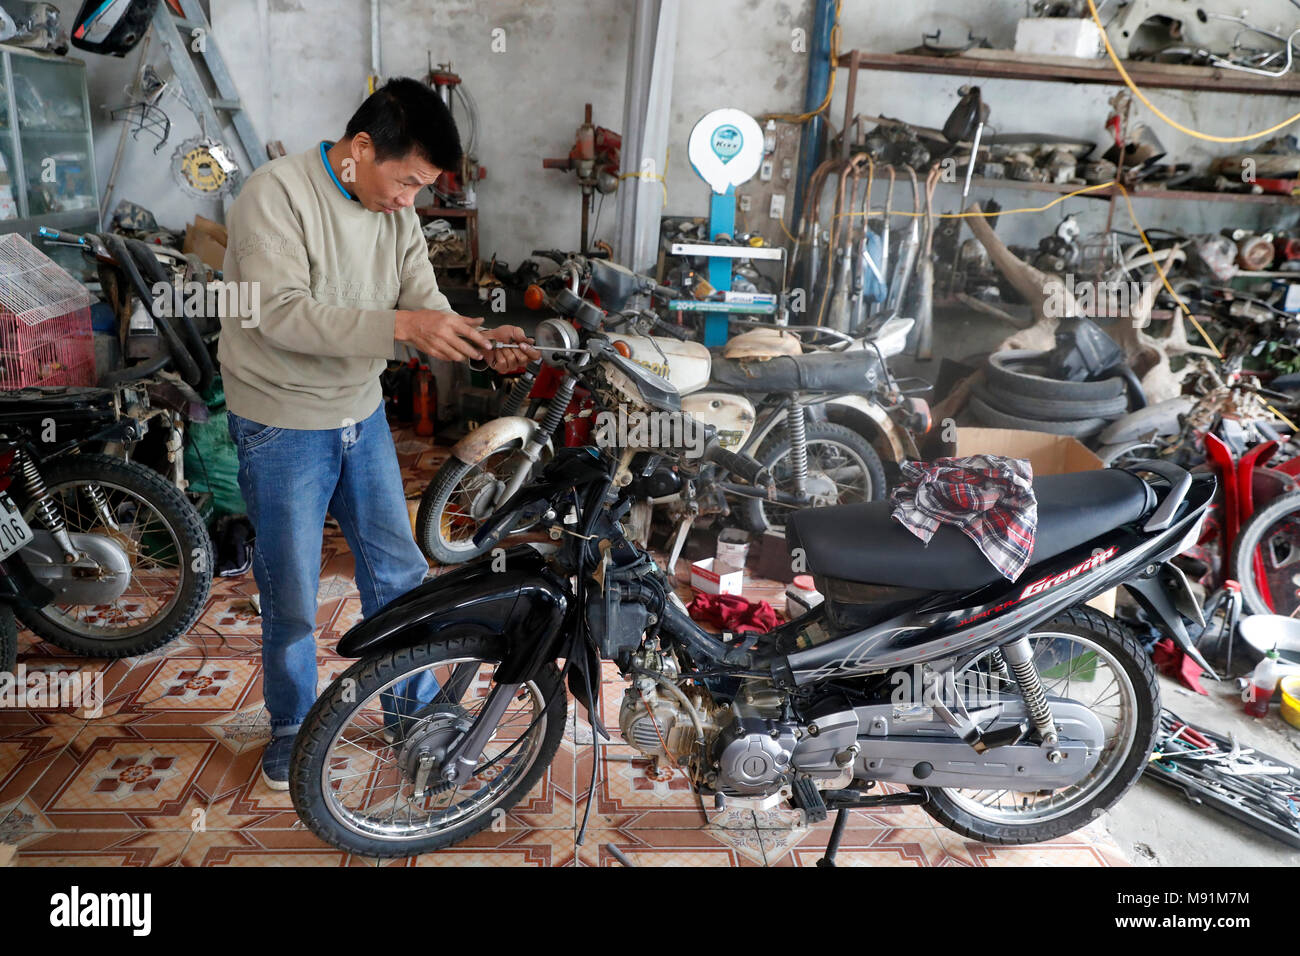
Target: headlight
(553, 335)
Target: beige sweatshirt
(331, 275)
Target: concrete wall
(301, 67)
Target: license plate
(14, 532)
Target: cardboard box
(207, 240)
(711, 578)
(1059, 36)
(1047, 454)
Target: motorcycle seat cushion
(854, 372)
(864, 544)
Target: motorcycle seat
(857, 371)
(864, 544)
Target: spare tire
(1023, 371)
(1080, 428)
(1056, 409)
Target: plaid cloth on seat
(990, 498)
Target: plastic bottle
(1263, 683)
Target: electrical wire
(1128, 81)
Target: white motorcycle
(819, 422)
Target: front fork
(532, 450)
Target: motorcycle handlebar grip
(676, 331)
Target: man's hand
(444, 335)
(507, 360)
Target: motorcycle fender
(520, 599)
(1153, 595)
(493, 435)
(901, 446)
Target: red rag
(1173, 662)
(731, 612)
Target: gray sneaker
(275, 762)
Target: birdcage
(45, 334)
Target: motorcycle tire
(1118, 642)
(8, 639)
(194, 558)
(312, 792)
(1249, 538)
(753, 513)
(1079, 428)
(1050, 409)
(430, 518)
(1021, 371)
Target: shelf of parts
(1003, 65)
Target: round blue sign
(726, 142)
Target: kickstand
(837, 834)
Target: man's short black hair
(403, 115)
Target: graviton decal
(1042, 584)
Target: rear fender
(897, 441)
(525, 603)
(1153, 595)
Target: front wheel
(1087, 657)
(843, 469)
(461, 497)
(366, 761)
(165, 543)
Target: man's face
(390, 185)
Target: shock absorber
(514, 402)
(1020, 658)
(558, 406)
(47, 512)
(797, 429)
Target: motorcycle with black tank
(1008, 710)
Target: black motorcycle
(123, 553)
(1010, 711)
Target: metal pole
(819, 79)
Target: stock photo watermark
(639, 429)
(241, 300)
(53, 689)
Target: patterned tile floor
(169, 773)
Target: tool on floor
(1212, 770)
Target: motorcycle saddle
(814, 372)
(864, 544)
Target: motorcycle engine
(747, 750)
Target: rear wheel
(843, 469)
(8, 640)
(1087, 657)
(165, 542)
(1266, 558)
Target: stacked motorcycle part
(1019, 393)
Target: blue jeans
(291, 478)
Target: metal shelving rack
(999, 64)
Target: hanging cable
(1128, 81)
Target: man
(343, 274)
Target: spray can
(423, 402)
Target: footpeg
(808, 798)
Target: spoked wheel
(1266, 557)
(1086, 657)
(843, 469)
(366, 772)
(459, 499)
(137, 514)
